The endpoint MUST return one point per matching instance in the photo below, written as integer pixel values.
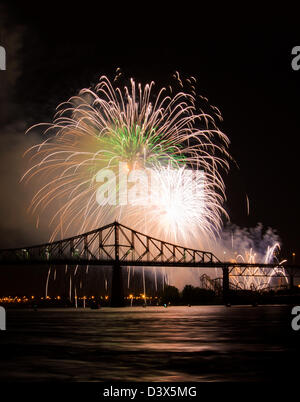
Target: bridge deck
(116, 243)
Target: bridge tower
(117, 287)
(226, 291)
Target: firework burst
(259, 278)
(104, 127)
(253, 245)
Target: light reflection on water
(202, 343)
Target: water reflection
(154, 344)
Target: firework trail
(164, 134)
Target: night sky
(243, 68)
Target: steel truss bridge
(117, 245)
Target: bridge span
(116, 245)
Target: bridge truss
(117, 245)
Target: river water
(202, 343)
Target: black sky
(243, 68)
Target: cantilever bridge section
(117, 245)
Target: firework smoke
(252, 245)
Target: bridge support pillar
(117, 289)
(226, 298)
